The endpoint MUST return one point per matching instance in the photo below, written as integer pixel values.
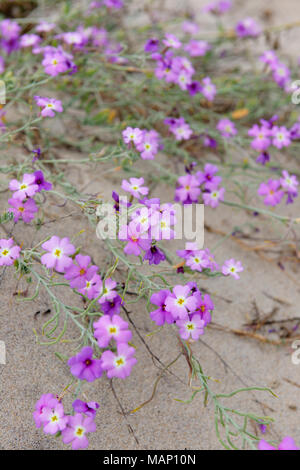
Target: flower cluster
(274, 190)
(184, 306)
(146, 142)
(189, 187)
(179, 69)
(280, 72)
(199, 260)
(22, 203)
(150, 223)
(49, 413)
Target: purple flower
(262, 137)
(119, 365)
(214, 196)
(41, 182)
(8, 252)
(194, 88)
(289, 183)
(134, 187)
(263, 158)
(180, 301)
(54, 418)
(84, 366)
(37, 153)
(108, 293)
(161, 315)
(198, 260)
(232, 268)
(89, 409)
(58, 256)
(272, 192)
(172, 41)
(107, 328)
(29, 40)
(113, 306)
(152, 45)
(26, 188)
(54, 64)
(92, 287)
(10, 32)
(136, 239)
(287, 443)
(77, 428)
(44, 27)
(77, 274)
(149, 145)
(191, 327)
(208, 89)
(281, 74)
(204, 306)
(49, 105)
(208, 175)
(154, 255)
(218, 7)
(132, 135)
(179, 128)
(188, 190)
(270, 58)
(44, 403)
(197, 48)
(247, 28)
(25, 210)
(226, 128)
(190, 27)
(281, 137)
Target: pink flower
(208, 175)
(45, 27)
(54, 418)
(43, 404)
(109, 293)
(134, 187)
(8, 252)
(247, 28)
(77, 274)
(24, 189)
(226, 128)
(197, 48)
(55, 64)
(25, 210)
(289, 183)
(107, 328)
(134, 135)
(191, 327)
(179, 302)
(188, 190)
(281, 137)
(232, 268)
(84, 366)
(198, 261)
(213, 197)
(208, 89)
(119, 365)
(29, 40)
(272, 192)
(92, 286)
(160, 315)
(149, 145)
(58, 257)
(262, 137)
(269, 58)
(179, 128)
(77, 428)
(172, 41)
(287, 443)
(49, 105)
(137, 240)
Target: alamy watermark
(171, 221)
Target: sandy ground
(165, 423)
